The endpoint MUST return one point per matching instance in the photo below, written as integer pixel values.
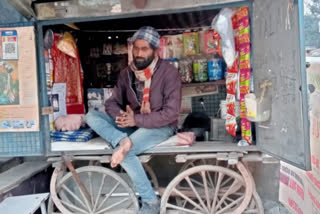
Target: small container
(258, 110)
(218, 131)
(185, 69)
(200, 69)
(215, 69)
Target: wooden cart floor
(100, 146)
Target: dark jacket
(165, 97)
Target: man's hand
(126, 119)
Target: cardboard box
(299, 190)
(315, 142)
(293, 186)
(313, 201)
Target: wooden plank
(26, 204)
(16, 175)
(92, 148)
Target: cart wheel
(207, 189)
(255, 206)
(108, 192)
(199, 162)
(51, 207)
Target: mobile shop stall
(260, 66)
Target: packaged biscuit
(212, 42)
(191, 43)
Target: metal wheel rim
(96, 202)
(206, 207)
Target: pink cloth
(185, 138)
(69, 122)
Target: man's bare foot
(120, 154)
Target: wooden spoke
(64, 187)
(112, 206)
(188, 199)
(87, 203)
(196, 193)
(90, 185)
(108, 195)
(234, 184)
(230, 205)
(183, 209)
(74, 207)
(217, 189)
(206, 190)
(99, 192)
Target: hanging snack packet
(231, 100)
(231, 83)
(234, 68)
(190, 43)
(174, 46)
(246, 130)
(243, 109)
(245, 81)
(231, 125)
(162, 48)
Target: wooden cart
(213, 179)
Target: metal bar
(43, 96)
(304, 90)
(160, 11)
(134, 30)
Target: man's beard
(140, 65)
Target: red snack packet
(234, 68)
(212, 42)
(231, 125)
(231, 99)
(231, 83)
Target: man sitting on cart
(141, 113)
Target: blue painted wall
(8, 14)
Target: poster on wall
(19, 110)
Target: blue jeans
(142, 140)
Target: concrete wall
(8, 14)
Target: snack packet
(191, 43)
(231, 83)
(212, 42)
(231, 100)
(231, 125)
